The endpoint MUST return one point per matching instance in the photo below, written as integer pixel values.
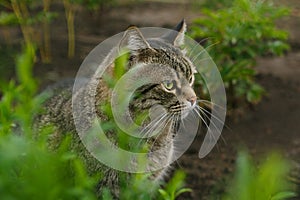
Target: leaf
(106, 194)
(24, 66)
(246, 30)
(164, 194)
(261, 181)
(120, 65)
(8, 19)
(255, 93)
(183, 190)
(283, 195)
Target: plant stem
(21, 13)
(46, 49)
(70, 12)
(18, 13)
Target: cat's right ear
(133, 40)
(176, 36)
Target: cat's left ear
(176, 37)
(133, 40)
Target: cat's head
(175, 94)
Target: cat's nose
(192, 100)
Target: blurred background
(255, 44)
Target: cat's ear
(176, 37)
(133, 40)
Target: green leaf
(255, 93)
(246, 30)
(8, 19)
(283, 195)
(260, 181)
(183, 190)
(120, 65)
(174, 187)
(164, 194)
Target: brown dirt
(273, 124)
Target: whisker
(204, 121)
(210, 103)
(151, 130)
(214, 116)
(218, 129)
(205, 49)
(209, 113)
(155, 121)
(156, 137)
(205, 39)
(211, 135)
(202, 59)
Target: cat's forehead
(168, 55)
(158, 43)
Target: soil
(273, 124)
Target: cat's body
(175, 95)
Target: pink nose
(192, 100)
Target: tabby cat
(175, 95)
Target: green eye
(169, 85)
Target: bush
(235, 36)
(266, 181)
(28, 170)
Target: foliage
(267, 181)
(7, 56)
(174, 188)
(97, 4)
(28, 170)
(235, 36)
(139, 186)
(27, 15)
(17, 104)
(216, 4)
(30, 14)
(70, 10)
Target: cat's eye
(169, 85)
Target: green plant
(28, 170)
(236, 36)
(266, 181)
(47, 16)
(71, 6)
(27, 16)
(216, 4)
(18, 104)
(138, 186)
(97, 4)
(70, 9)
(174, 187)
